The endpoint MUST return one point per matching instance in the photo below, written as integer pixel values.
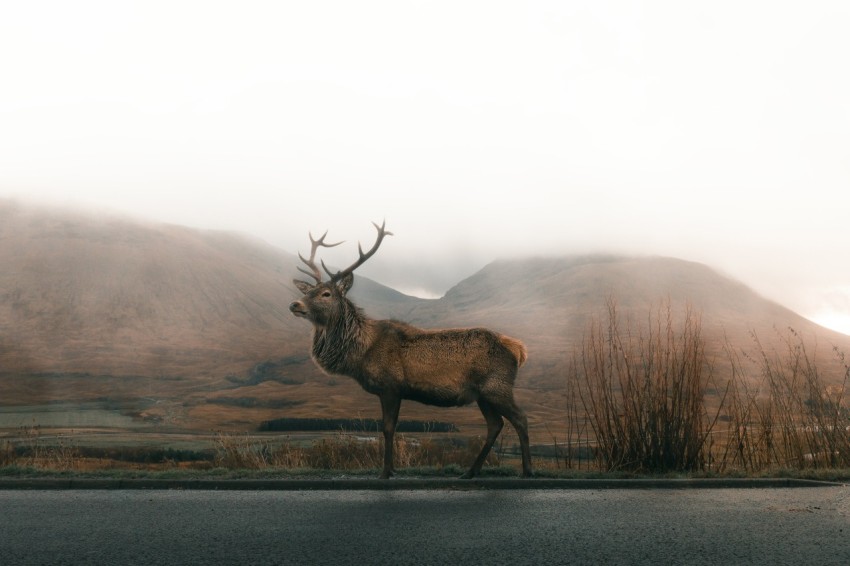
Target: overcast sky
(715, 131)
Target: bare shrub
(578, 442)
(793, 416)
(643, 389)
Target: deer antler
(382, 231)
(311, 263)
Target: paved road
(611, 526)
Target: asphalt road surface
(797, 526)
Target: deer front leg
(390, 405)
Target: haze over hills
(95, 307)
(550, 302)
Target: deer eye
(326, 294)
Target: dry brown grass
(239, 451)
(342, 452)
(35, 453)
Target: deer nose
(298, 309)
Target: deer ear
(303, 286)
(344, 284)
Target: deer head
(323, 298)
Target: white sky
(712, 131)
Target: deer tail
(516, 348)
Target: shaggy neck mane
(341, 339)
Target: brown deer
(396, 361)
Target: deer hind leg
(390, 405)
(519, 421)
(494, 427)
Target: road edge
(401, 484)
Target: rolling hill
(166, 321)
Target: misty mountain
(82, 293)
(109, 307)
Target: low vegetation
(643, 391)
(793, 418)
(341, 451)
(639, 402)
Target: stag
(396, 361)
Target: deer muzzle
(298, 309)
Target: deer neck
(339, 345)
